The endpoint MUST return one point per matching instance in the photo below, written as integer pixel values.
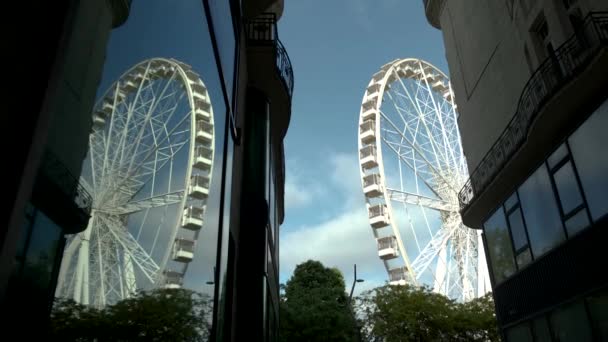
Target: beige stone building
(531, 84)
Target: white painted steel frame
(423, 136)
(141, 124)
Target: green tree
(157, 315)
(314, 306)
(408, 313)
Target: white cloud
(341, 240)
(297, 195)
(300, 189)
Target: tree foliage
(157, 315)
(314, 306)
(407, 313)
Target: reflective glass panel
(598, 309)
(567, 188)
(577, 222)
(588, 146)
(499, 246)
(570, 324)
(540, 211)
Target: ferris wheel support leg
(483, 278)
(129, 275)
(65, 264)
(440, 271)
(82, 268)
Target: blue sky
(335, 47)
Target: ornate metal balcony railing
(568, 60)
(262, 30)
(58, 173)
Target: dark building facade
(235, 48)
(45, 201)
(530, 80)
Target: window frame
(584, 205)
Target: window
(36, 260)
(540, 330)
(567, 188)
(541, 213)
(519, 333)
(598, 309)
(520, 239)
(572, 206)
(588, 146)
(570, 324)
(221, 14)
(186, 248)
(499, 246)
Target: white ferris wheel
(412, 167)
(148, 170)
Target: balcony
(397, 276)
(387, 247)
(433, 9)
(367, 155)
(372, 185)
(192, 218)
(262, 31)
(61, 196)
(378, 216)
(561, 70)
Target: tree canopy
(314, 306)
(408, 313)
(157, 315)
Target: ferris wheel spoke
(147, 119)
(431, 250)
(426, 179)
(138, 255)
(415, 199)
(149, 203)
(416, 148)
(422, 109)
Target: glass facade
(520, 333)
(588, 146)
(40, 244)
(540, 330)
(598, 310)
(500, 246)
(560, 199)
(541, 212)
(571, 324)
(168, 68)
(583, 320)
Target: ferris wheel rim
(381, 79)
(178, 72)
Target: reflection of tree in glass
(501, 254)
(37, 270)
(499, 246)
(158, 315)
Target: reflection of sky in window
(152, 31)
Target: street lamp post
(350, 298)
(355, 281)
